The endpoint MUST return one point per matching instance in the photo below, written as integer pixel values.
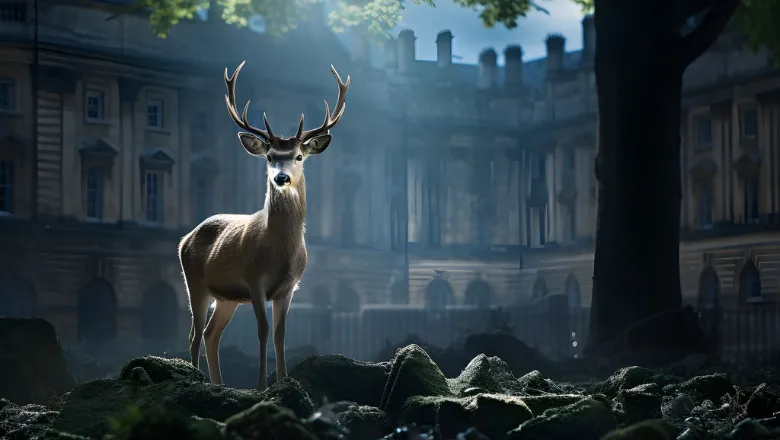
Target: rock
(33, 368)
(541, 403)
(162, 423)
(646, 430)
(268, 422)
(24, 422)
(335, 378)
(515, 353)
(710, 387)
(176, 385)
(630, 377)
(412, 374)
(534, 383)
(750, 429)
(364, 422)
(589, 419)
(486, 374)
(638, 404)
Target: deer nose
(282, 179)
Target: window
(751, 201)
(203, 199)
(154, 197)
(542, 220)
(95, 105)
(93, 181)
(6, 186)
(13, 12)
(704, 133)
(750, 123)
(705, 206)
(6, 95)
(154, 113)
(539, 166)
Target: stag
(234, 259)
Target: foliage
(759, 19)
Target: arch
(347, 299)
(399, 292)
(17, 297)
(97, 312)
(479, 293)
(540, 289)
(709, 289)
(438, 294)
(159, 313)
(573, 293)
(749, 282)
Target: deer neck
(286, 210)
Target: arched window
(749, 282)
(709, 289)
(540, 289)
(479, 293)
(439, 293)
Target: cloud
(471, 37)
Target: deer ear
(318, 144)
(253, 145)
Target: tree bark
(640, 60)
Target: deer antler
(230, 102)
(330, 120)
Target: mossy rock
(488, 374)
(268, 422)
(290, 394)
(709, 387)
(364, 422)
(541, 403)
(492, 414)
(638, 404)
(334, 377)
(646, 430)
(534, 383)
(412, 373)
(161, 423)
(182, 388)
(589, 419)
(24, 422)
(630, 377)
(160, 369)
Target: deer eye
(299, 157)
(269, 159)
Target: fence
(557, 331)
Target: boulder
(515, 353)
(33, 368)
(588, 419)
(331, 378)
(412, 374)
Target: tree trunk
(639, 79)
(640, 60)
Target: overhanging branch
(708, 30)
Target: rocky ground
(331, 397)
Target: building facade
(473, 184)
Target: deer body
(255, 258)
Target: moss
(424, 410)
(624, 379)
(495, 415)
(88, 407)
(534, 383)
(268, 422)
(710, 387)
(488, 374)
(540, 404)
(24, 422)
(160, 423)
(334, 377)
(412, 373)
(638, 405)
(589, 419)
(161, 369)
(289, 394)
(364, 422)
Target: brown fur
(254, 258)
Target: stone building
(114, 143)
(501, 162)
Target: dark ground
(509, 392)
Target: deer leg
(220, 318)
(280, 307)
(199, 306)
(258, 304)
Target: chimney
(513, 67)
(444, 48)
(555, 48)
(487, 69)
(588, 39)
(406, 50)
(391, 53)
